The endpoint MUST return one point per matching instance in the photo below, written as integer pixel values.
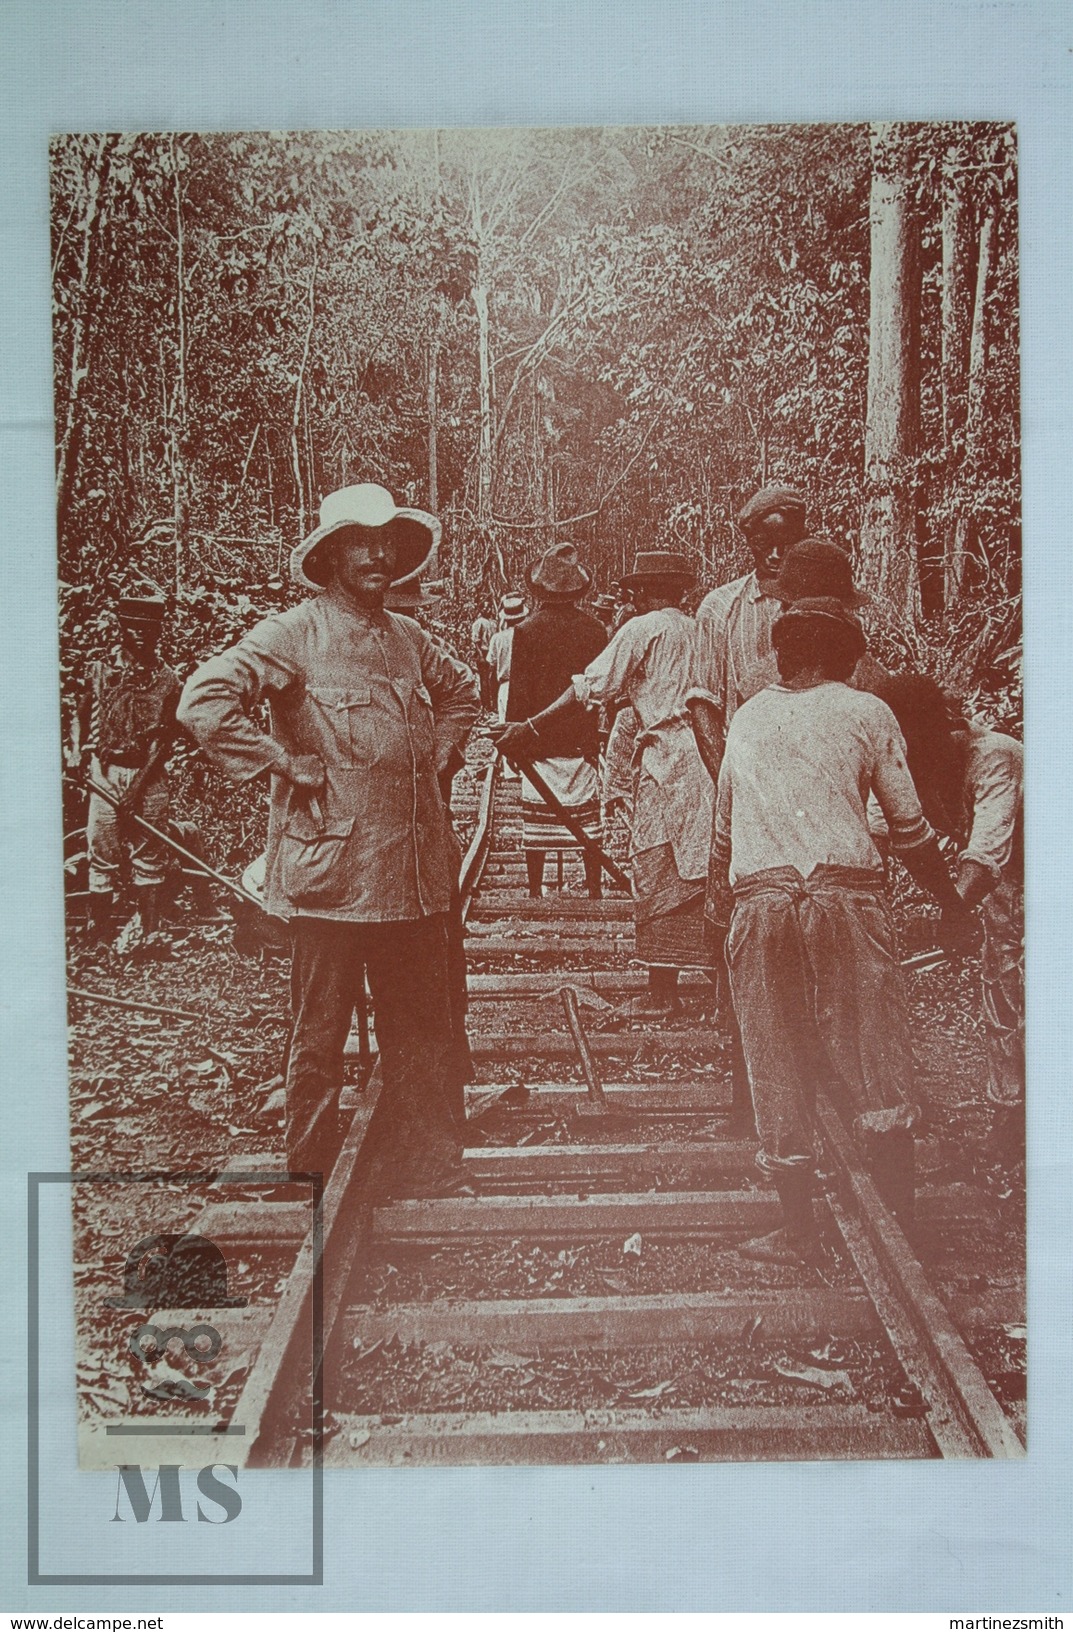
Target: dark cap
(767, 501)
(658, 564)
(141, 608)
(820, 609)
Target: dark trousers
(418, 1123)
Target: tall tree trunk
(178, 424)
(893, 414)
(484, 451)
(435, 342)
(480, 304)
(974, 413)
(72, 432)
(970, 440)
(957, 236)
(296, 415)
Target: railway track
(585, 1303)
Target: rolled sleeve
(607, 677)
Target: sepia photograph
(541, 710)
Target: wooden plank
(965, 1418)
(730, 1434)
(709, 1098)
(491, 905)
(550, 947)
(560, 1045)
(255, 1224)
(528, 983)
(685, 1213)
(562, 1164)
(510, 923)
(524, 1324)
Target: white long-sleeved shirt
(651, 663)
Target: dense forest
(612, 335)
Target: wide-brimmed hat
(558, 575)
(817, 568)
(514, 609)
(821, 609)
(767, 501)
(415, 532)
(649, 564)
(141, 609)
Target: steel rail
(960, 1416)
(964, 1417)
(270, 1407)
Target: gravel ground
(152, 1091)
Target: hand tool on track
(597, 1104)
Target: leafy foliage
(667, 318)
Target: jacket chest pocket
(346, 718)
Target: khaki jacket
(385, 708)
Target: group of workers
(774, 766)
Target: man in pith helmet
(366, 713)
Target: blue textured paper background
(838, 1537)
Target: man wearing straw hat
(367, 712)
(652, 663)
(512, 612)
(554, 643)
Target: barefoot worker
(366, 712)
(816, 985)
(554, 643)
(651, 664)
